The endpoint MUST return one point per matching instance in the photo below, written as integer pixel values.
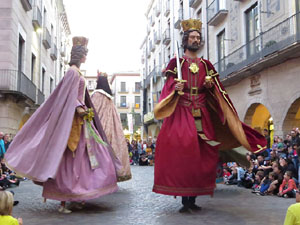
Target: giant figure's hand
(81, 111)
(179, 86)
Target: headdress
(81, 41)
(191, 24)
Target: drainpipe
(207, 30)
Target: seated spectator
(232, 179)
(248, 179)
(287, 165)
(257, 181)
(278, 178)
(6, 206)
(226, 174)
(288, 187)
(265, 183)
(150, 158)
(293, 212)
(143, 161)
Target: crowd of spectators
(141, 152)
(275, 171)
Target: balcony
(152, 21)
(27, 4)
(152, 47)
(149, 117)
(136, 105)
(216, 12)
(179, 19)
(272, 47)
(40, 97)
(195, 3)
(166, 37)
(53, 53)
(17, 83)
(63, 51)
(167, 8)
(46, 38)
(123, 90)
(136, 90)
(122, 105)
(37, 18)
(157, 37)
(157, 10)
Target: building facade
(126, 88)
(253, 44)
(34, 38)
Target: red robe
(185, 161)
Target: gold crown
(83, 41)
(191, 24)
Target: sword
(179, 72)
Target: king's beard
(193, 48)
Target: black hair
(102, 83)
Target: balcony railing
(27, 4)
(157, 10)
(136, 90)
(166, 37)
(282, 39)
(123, 90)
(53, 53)
(157, 37)
(195, 3)
(46, 38)
(122, 105)
(63, 51)
(216, 12)
(167, 8)
(179, 19)
(152, 47)
(40, 97)
(136, 105)
(17, 82)
(37, 18)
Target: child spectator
(6, 206)
(266, 182)
(226, 174)
(288, 187)
(274, 186)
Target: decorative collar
(102, 92)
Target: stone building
(34, 47)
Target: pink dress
(75, 179)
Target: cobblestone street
(135, 203)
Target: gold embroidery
(194, 68)
(260, 148)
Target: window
(252, 30)
(137, 87)
(199, 14)
(221, 50)
(33, 60)
(43, 79)
(137, 102)
(51, 84)
(21, 53)
(137, 119)
(123, 86)
(123, 117)
(123, 101)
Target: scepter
(179, 73)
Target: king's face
(194, 38)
